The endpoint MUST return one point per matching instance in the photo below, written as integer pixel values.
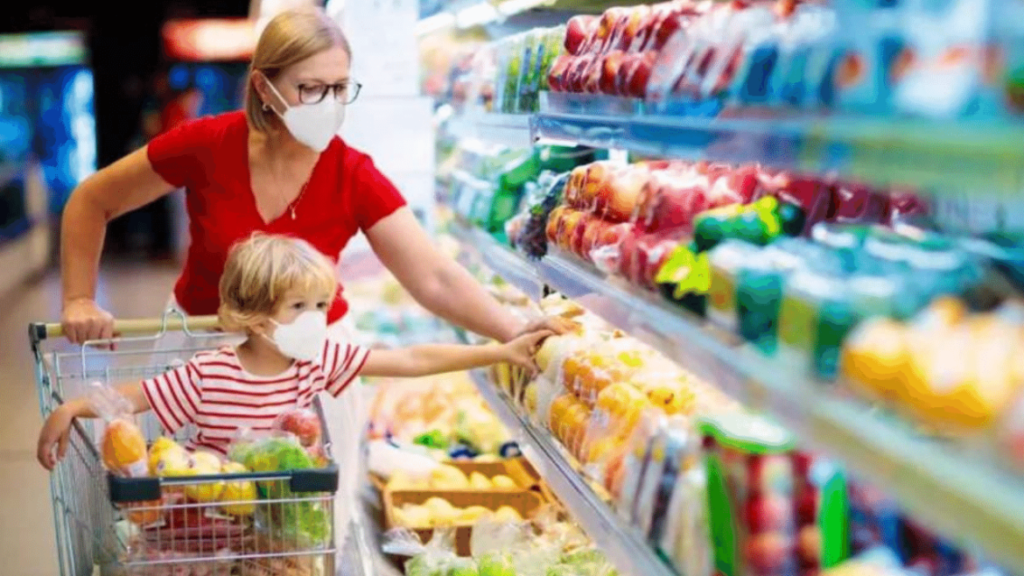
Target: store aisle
(26, 520)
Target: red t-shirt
(210, 158)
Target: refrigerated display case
(794, 212)
(47, 140)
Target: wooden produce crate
(525, 502)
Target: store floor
(26, 519)
(129, 290)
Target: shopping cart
(161, 526)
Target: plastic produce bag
(306, 523)
(123, 445)
(435, 558)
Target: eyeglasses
(345, 92)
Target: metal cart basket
(274, 523)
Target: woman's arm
(57, 428)
(432, 359)
(119, 188)
(436, 281)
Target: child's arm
(443, 358)
(57, 428)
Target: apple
(554, 222)
(617, 201)
(810, 544)
(768, 513)
(639, 74)
(576, 74)
(857, 203)
(807, 507)
(577, 31)
(813, 196)
(569, 222)
(605, 28)
(611, 64)
(574, 187)
(676, 201)
(301, 422)
(558, 71)
(769, 553)
(591, 81)
(598, 179)
(664, 24)
(610, 235)
(631, 25)
(579, 232)
(594, 229)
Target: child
(276, 290)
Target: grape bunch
(532, 240)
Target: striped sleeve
(343, 361)
(175, 396)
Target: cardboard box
(518, 469)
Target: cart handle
(39, 331)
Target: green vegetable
(305, 523)
(432, 439)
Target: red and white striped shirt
(215, 393)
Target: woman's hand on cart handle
(83, 320)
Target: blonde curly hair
(260, 271)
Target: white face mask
(304, 338)
(312, 124)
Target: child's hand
(521, 351)
(54, 434)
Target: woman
(277, 167)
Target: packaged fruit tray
(462, 509)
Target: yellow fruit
(446, 477)
(239, 497)
(507, 514)
(174, 461)
(124, 448)
(442, 513)
(204, 464)
(504, 482)
(530, 399)
(157, 449)
(413, 516)
(672, 399)
(478, 481)
(875, 356)
(402, 481)
(474, 514)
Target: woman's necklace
(294, 203)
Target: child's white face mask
(304, 338)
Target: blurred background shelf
(954, 489)
(980, 159)
(622, 545)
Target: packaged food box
(773, 510)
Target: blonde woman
(276, 167)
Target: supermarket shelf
(512, 130)
(946, 157)
(957, 491)
(624, 547)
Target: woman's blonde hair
(259, 273)
(290, 37)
